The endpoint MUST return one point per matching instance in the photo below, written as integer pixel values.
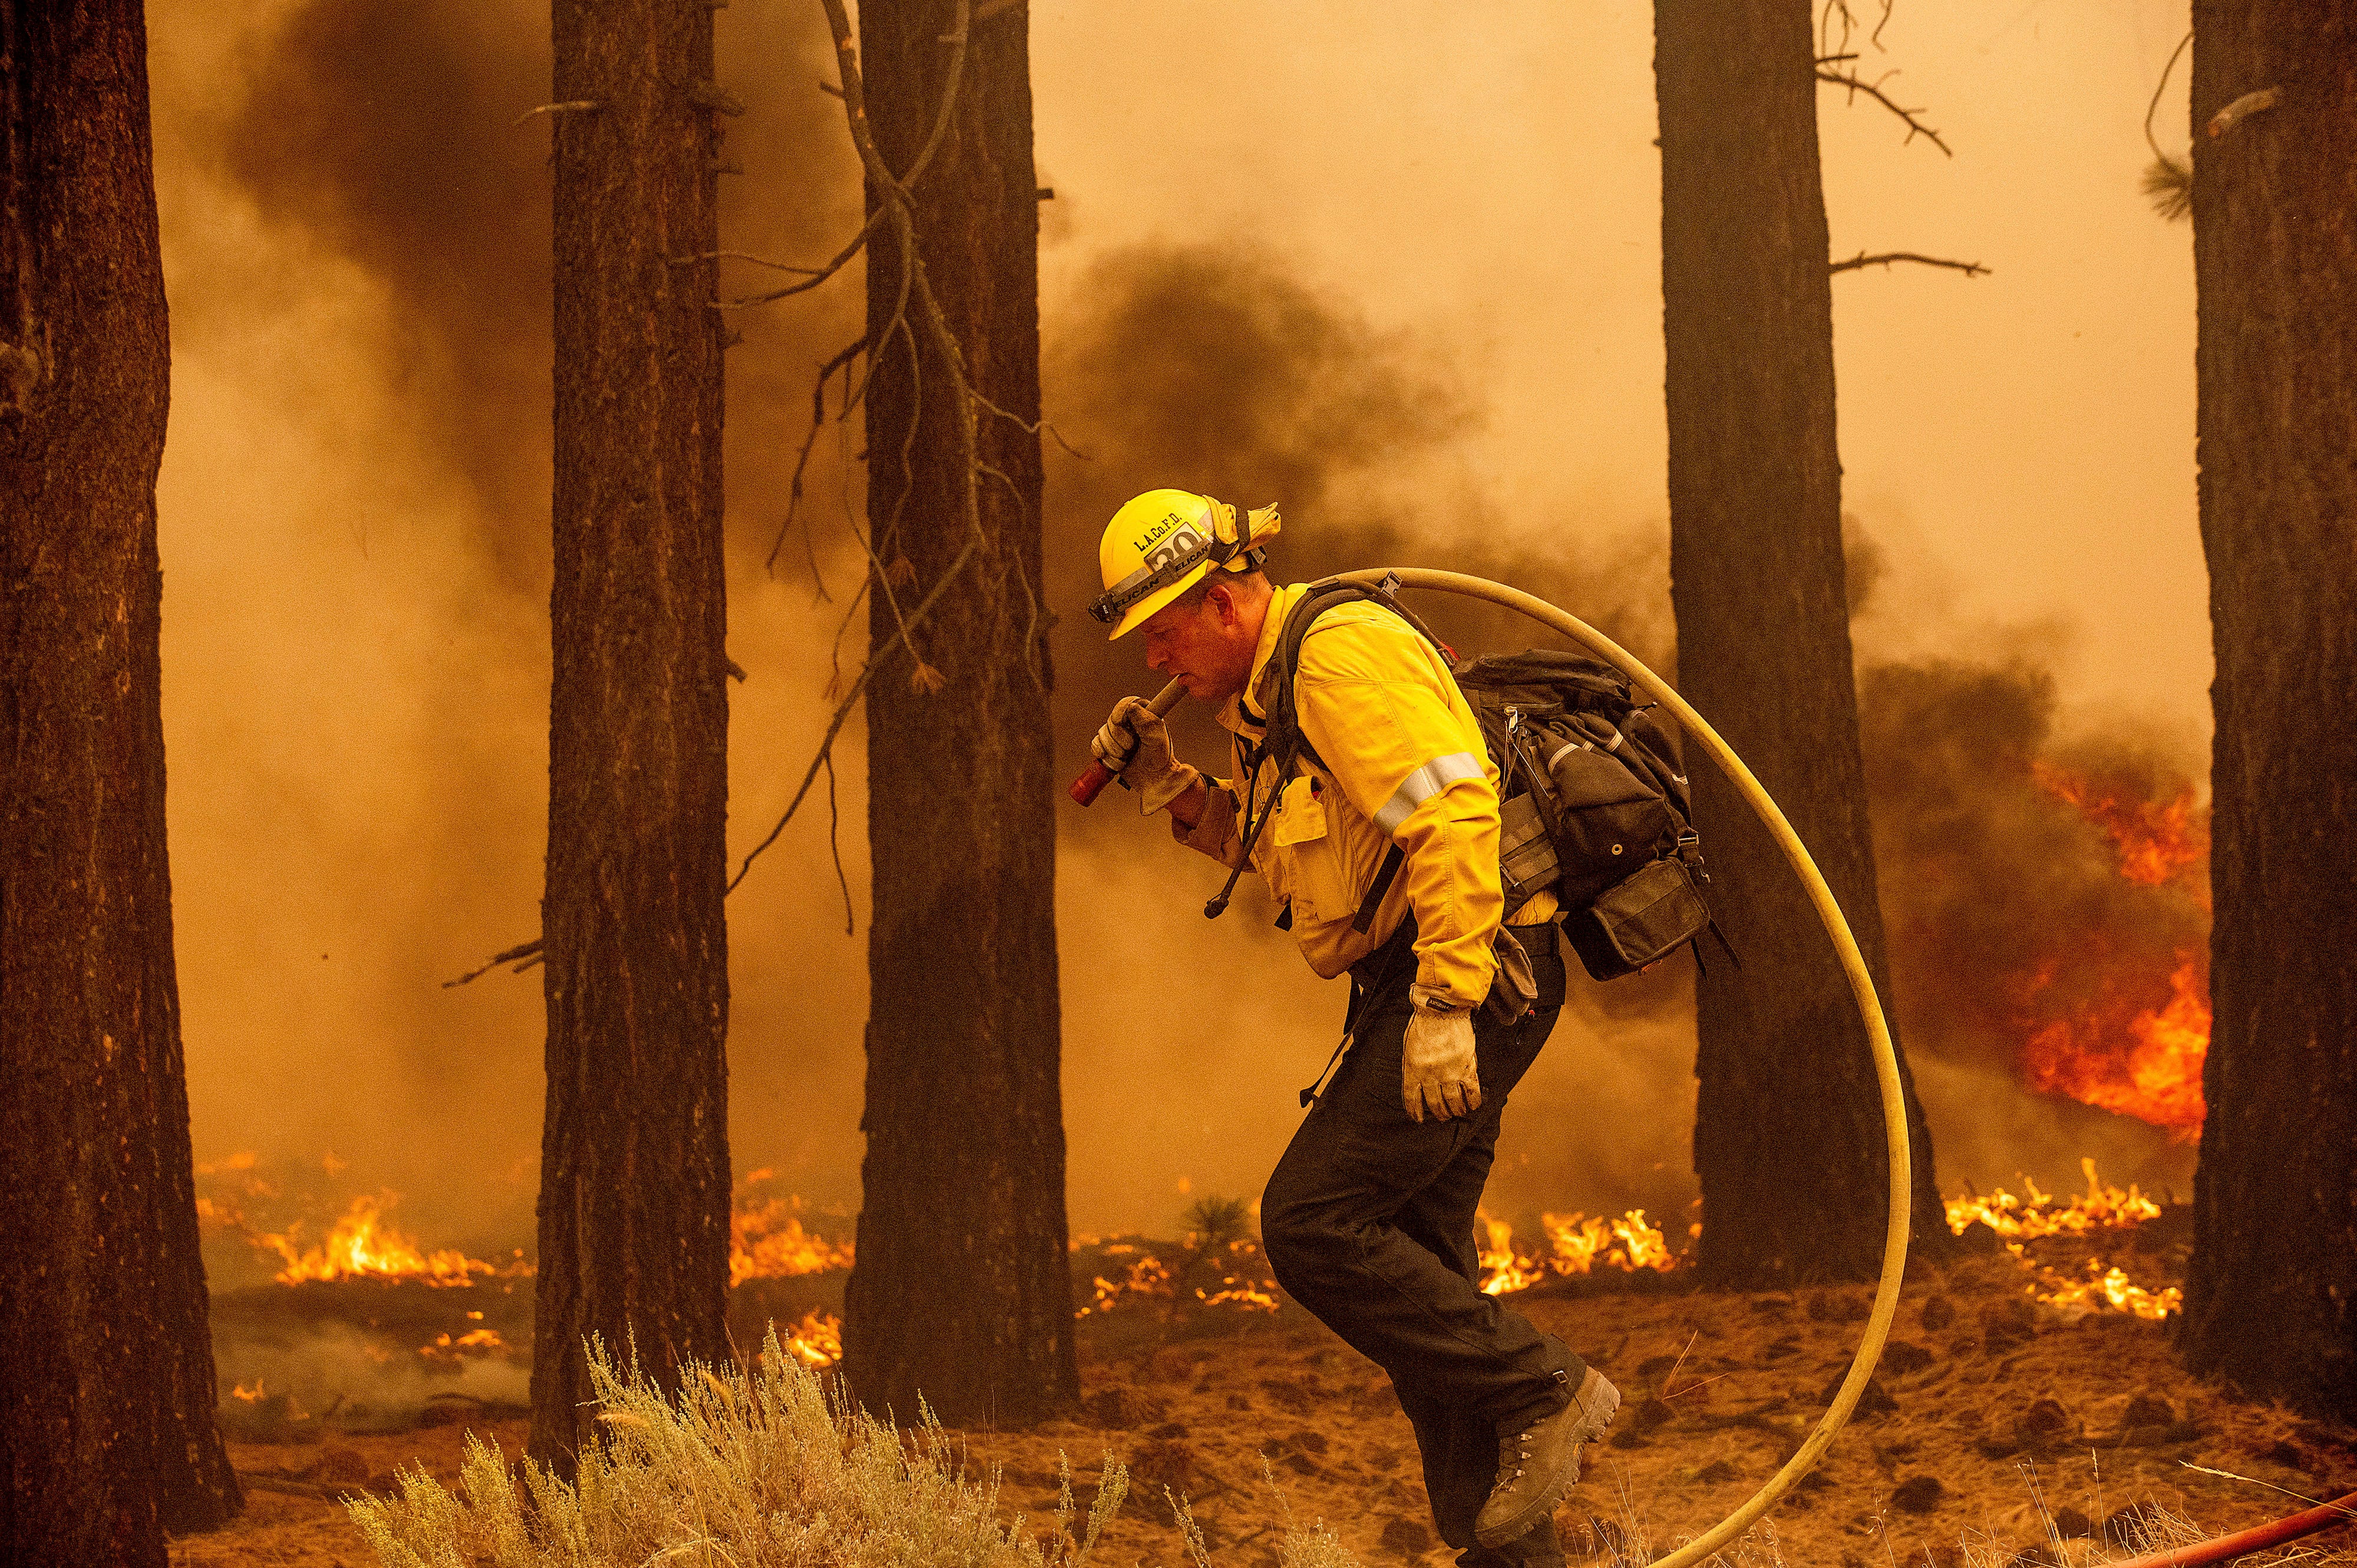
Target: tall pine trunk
(2271, 1295)
(1788, 1130)
(634, 1150)
(960, 1290)
(107, 1437)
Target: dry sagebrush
(736, 1471)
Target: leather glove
(1135, 744)
(1436, 1062)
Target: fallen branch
(1889, 258)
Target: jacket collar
(1245, 717)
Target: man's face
(1209, 645)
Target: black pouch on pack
(1638, 921)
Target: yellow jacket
(1405, 766)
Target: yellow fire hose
(1861, 985)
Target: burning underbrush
(2011, 1423)
(358, 1327)
(2104, 1250)
(330, 1318)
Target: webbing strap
(1394, 858)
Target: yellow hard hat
(1162, 544)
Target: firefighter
(1368, 1219)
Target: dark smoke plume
(389, 132)
(386, 131)
(396, 196)
(2010, 910)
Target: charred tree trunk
(634, 1151)
(106, 1369)
(960, 1290)
(1788, 1129)
(2271, 1296)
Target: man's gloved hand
(1437, 1074)
(1135, 744)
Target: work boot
(1540, 1547)
(1539, 1463)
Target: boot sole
(1551, 1496)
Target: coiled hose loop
(1861, 985)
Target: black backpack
(1593, 801)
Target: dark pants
(1368, 1222)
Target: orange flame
(1576, 1245)
(817, 1340)
(1145, 1276)
(2040, 1214)
(2156, 840)
(766, 1241)
(2147, 1066)
(471, 1345)
(2106, 1286)
(361, 1245)
(2100, 1208)
(2117, 1052)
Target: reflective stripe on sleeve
(1422, 785)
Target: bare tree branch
(577, 106)
(1857, 84)
(835, 844)
(2168, 181)
(527, 950)
(1837, 14)
(2161, 87)
(1970, 269)
(897, 207)
(739, 256)
(817, 274)
(850, 699)
(818, 420)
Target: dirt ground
(1998, 1431)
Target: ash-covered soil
(1998, 1431)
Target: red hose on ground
(2258, 1537)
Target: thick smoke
(385, 132)
(355, 524)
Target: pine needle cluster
(2169, 185)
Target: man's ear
(1222, 597)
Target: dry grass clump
(765, 1470)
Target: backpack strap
(1218, 904)
(1286, 744)
(1285, 740)
(1394, 858)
